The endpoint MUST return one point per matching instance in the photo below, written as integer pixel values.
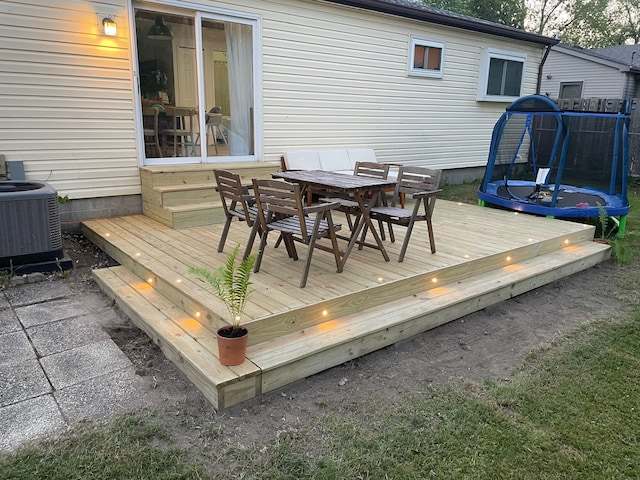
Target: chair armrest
(321, 207)
(430, 193)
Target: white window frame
(423, 72)
(483, 80)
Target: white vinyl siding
(339, 80)
(66, 97)
(599, 80)
(332, 76)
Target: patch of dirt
(488, 344)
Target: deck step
(191, 187)
(270, 364)
(183, 340)
(299, 354)
(196, 214)
(115, 238)
(173, 195)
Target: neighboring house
(419, 85)
(572, 72)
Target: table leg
(365, 219)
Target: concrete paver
(83, 363)
(37, 292)
(29, 420)
(120, 392)
(8, 321)
(58, 365)
(65, 334)
(15, 346)
(50, 311)
(4, 303)
(22, 380)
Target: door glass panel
(170, 82)
(228, 86)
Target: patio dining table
(350, 187)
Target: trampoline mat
(566, 198)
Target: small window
(501, 75)
(426, 58)
(570, 90)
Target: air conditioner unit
(30, 230)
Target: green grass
(128, 448)
(570, 412)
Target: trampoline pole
(622, 226)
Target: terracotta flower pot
(232, 349)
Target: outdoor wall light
(109, 26)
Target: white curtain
(240, 64)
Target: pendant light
(159, 31)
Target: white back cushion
(335, 160)
(361, 155)
(302, 160)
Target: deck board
(483, 256)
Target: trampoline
(565, 164)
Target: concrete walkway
(58, 366)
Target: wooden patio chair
(281, 209)
(236, 202)
(150, 131)
(350, 207)
(420, 184)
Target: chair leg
(412, 221)
(255, 229)
(225, 232)
(349, 222)
(312, 244)
(263, 243)
(334, 242)
(429, 209)
(290, 245)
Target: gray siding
(600, 80)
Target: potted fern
(231, 284)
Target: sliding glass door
(196, 108)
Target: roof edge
(585, 54)
(441, 17)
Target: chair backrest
(276, 199)
(152, 112)
(214, 119)
(416, 179)
(232, 194)
(186, 116)
(371, 169)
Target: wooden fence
(611, 105)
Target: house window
(426, 58)
(570, 90)
(501, 75)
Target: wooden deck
(484, 256)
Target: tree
(587, 23)
(507, 12)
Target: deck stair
(184, 196)
(298, 332)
